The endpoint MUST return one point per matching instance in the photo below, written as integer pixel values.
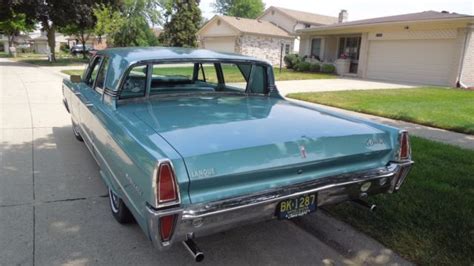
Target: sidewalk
(445, 136)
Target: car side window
(100, 83)
(93, 71)
(257, 80)
(135, 83)
(235, 76)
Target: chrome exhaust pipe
(364, 204)
(194, 250)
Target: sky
(362, 9)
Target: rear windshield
(194, 77)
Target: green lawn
(430, 221)
(231, 74)
(61, 61)
(451, 109)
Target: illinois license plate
(298, 206)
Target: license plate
(297, 206)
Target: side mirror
(75, 78)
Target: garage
(418, 61)
(220, 44)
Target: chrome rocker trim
(198, 220)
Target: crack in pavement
(36, 203)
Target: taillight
(166, 227)
(167, 190)
(404, 152)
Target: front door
(349, 47)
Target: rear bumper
(208, 218)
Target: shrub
(303, 66)
(328, 68)
(291, 60)
(315, 67)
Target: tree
(81, 21)
(15, 17)
(15, 24)
(129, 24)
(52, 14)
(183, 21)
(240, 8)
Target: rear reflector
(404, 146)
(167, 190)
(166, 227)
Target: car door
(89, 99)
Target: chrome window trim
(187, 60)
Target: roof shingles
(306, 17)
(254, 26)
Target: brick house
(252, 37)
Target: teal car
(192, 142)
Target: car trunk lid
(237, 145)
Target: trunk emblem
(303, 152)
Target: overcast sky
(361, 9)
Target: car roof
(122, 58)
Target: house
(20, 41)
(293, 20)
(258, 38)
(270, 36)
(427, 47)
(40, 44)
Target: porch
(341, 50)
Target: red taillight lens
(167, 190)
(404, 146)
(166, 227)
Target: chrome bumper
(198, 220)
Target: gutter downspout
(459, 82)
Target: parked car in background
(208, 143)
(79, 49)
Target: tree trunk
(83, 45)
(52, 42)
(10, 42)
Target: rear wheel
(75, 130)
(119, 210)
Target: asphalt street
(54, 209)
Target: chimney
(343, 16)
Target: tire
(76, 132)
(119, 210)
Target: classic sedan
(192, 142)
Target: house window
(316, 47)
(287, 49)
(307, 26)
(349, 47)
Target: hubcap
(114, 201)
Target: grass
(430, 221)
(231, 74)
(62, 59)
(451, 109)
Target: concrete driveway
(54, 210)
(338, 84)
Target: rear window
(194, 77)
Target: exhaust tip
(199, 257)
(194, 250)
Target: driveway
(54, 210)
(338, 84)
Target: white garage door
(419, 61)
(220, 44)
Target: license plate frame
(297, 206)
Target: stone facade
(263, 47)
(468, 64)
